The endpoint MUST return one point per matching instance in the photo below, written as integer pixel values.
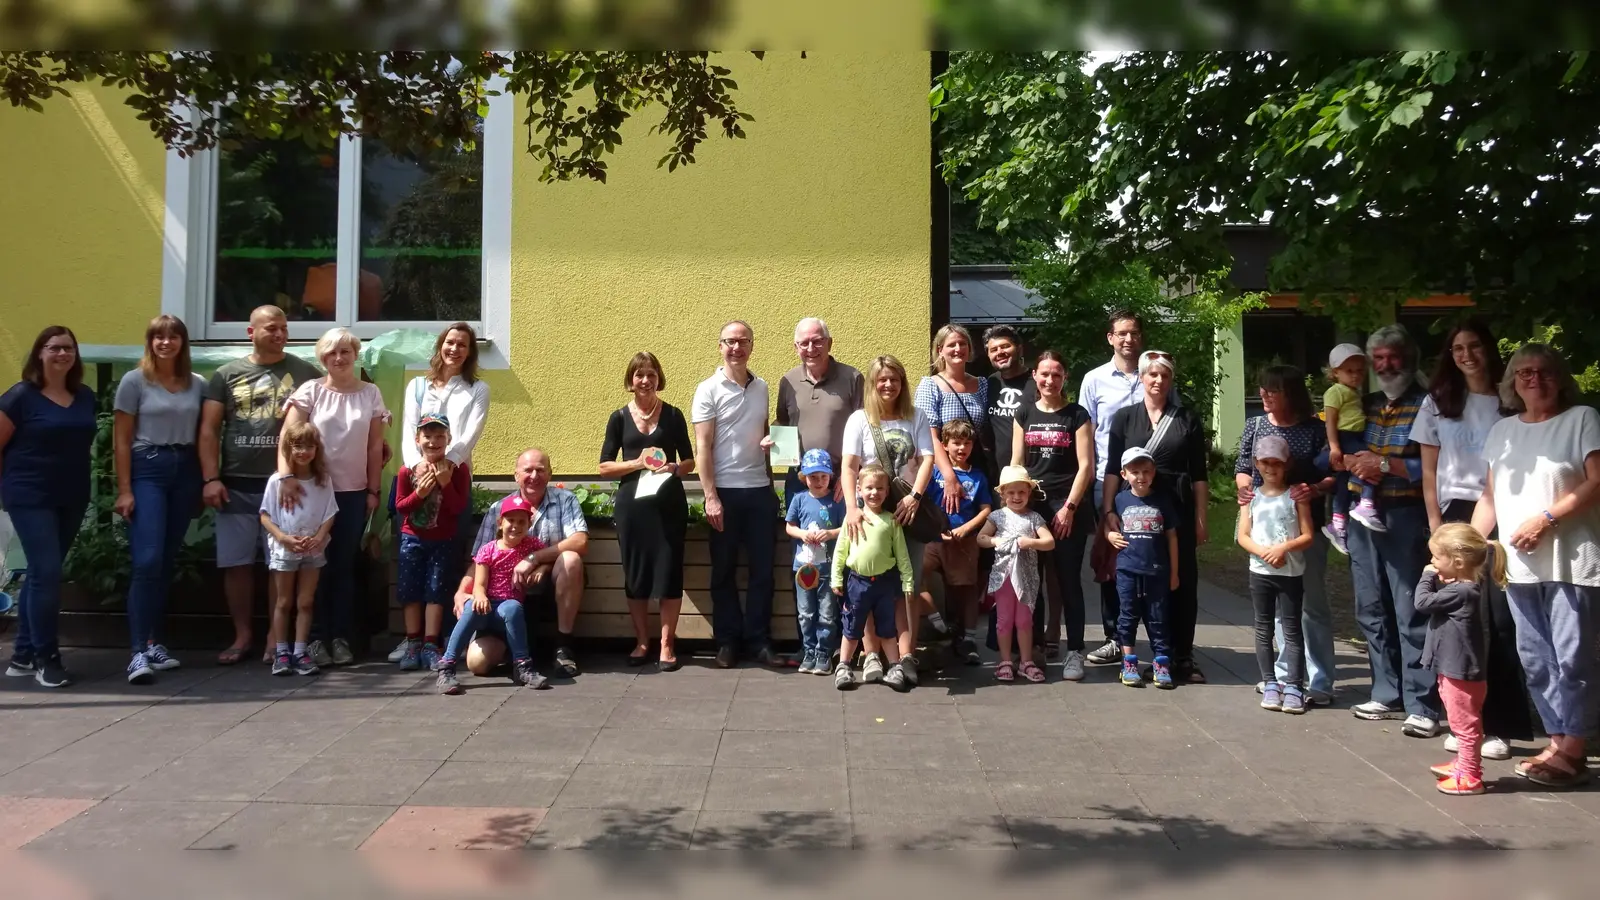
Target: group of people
(995, 487)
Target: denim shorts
(427, 571)
(874, 596)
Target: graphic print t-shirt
(807, 512)
(1006, 396)
(252, 397)
(1051, 439)
(975, 493)
(1145, 522)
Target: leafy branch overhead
(575, 101)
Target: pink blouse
(343, 418)
(502, 563)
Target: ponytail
(1497, 567)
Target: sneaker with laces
(1272, 697)
(969, 652)
(318, 651)
(524, 674)
(1444, 770)
(160, 659)
(139, 671)
(842, 678)
(282, 664)
(1161, 673)
(1374, 711)
(872, 669)
(341, 652)
(1366, 512)
(306, 664)
(430, 656)
(807, 657)
(1072, 666)
(1130, 672)
(21, 667)
(895, 678)
(1460, 785)
(1104, 655)
(910, 668)
(1494, 748)
(1337, 537)
(51, 673)
(1421, 727)
(446, 682)
(1294, 701)
(411, 660)
(398, 651)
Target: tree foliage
(1390, 176)
(575, 101)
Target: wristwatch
(917, 496)
(1383, 465)
(210, 480)
(1071, 505)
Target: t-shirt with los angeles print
(252, 396)
(1051, 441)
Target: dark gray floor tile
(650, 788)
(801, 715)
(341, 781)
(762, 790)
(304, 740)
(273, 826)
(594, 684)
(913, 792)
(489, 784)
(1329, 800)
(658, 713)
(773, 830)
(1070, 796)
(1030, 720)
(1205, 757)
(1100, 837)
(1233, 799)
(137, 825)
(547, 709)
(1066, 755)
(399, 740)
(681, 686)
(1240, 843)
(206, 776)
(883, 713)
(928, 832)
(1539, 838)
(781, 750)
(551, 748)
(615, 829)
(464, 709)
(786, 687)
(1443, 836)
(68, 774)
(627, 747)
(922, 752)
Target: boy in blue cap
(814, 520)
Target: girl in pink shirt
(496, 600)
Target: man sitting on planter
(556, 571)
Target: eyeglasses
(59, 348)
(808, 342)
(1127, 334)
(1530, 375)
(736, 343)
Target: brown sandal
(1522, 768)
(1560, 771)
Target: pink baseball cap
(515, 503)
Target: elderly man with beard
(1386, 568)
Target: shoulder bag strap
(881, 447)
(959, 401)
(1162, 427)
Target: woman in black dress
(653, 438)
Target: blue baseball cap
(816, 462)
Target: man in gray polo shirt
(818, 396)
(730, 428)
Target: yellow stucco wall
(822, 210)
(82, 207)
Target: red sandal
(1005, 672)
(1032, 672)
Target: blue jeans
(46, 533)
(749, 520)
(1316, 622)
(336, 600)
(1385, 570)
(166, 495)
(818, 613)
(1555, 624)
(1143, 597)
(428, 570)
(504, 618)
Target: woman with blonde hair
(890, 431)
(154, 432)
(350, 415)
(951, 395)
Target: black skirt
(650, 534)
(1505, 702)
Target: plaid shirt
(558, 517)
(1389, 435)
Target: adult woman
(351, 416)
(1054, 438)
(1544, 478)
(47, 425)
(950, 395)
(1176, 439)
(887, 417)
(156, 426)
(652, 436)
(1463, 403)
(1288, 413)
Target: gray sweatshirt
(1457, 644)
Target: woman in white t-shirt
(1463, 403)
(909, 443)
(1544, 479)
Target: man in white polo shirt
(730, 430)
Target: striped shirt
(943, 406)
(1389, 435)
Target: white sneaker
(1421, 727)
(872, 669)
(1492, 748)
(1372, 710)
(1072, 666)
(399, 651)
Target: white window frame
(189, 244)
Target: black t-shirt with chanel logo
(1006, 396)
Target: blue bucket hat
(816, 462)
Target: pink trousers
(1463, 706)
(1011, 614)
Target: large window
(362, 236)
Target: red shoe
(1444, 770)
(1455, 784)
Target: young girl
(296, 539)
(1346, 422)
(866, 572)
(1016, 534)
(1275, 530)
(496, 600)
(1457, 645)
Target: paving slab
(789, 790)
(646, 788)
(657, 713)
(823, 714)
(553, 746)
(1099, 837)
(881, 713)
(24, 818)
(664, 747)
(615, 829)
(921, 792)
(773, 830)
(780, 750)
(208, 776)
(490, 784)
(456, 828)
(928, 832)
(136, 825)
(1069, 796)
(300, 826)
(921, 752)
(341, 781)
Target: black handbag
(930, 523)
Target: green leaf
(1445, 71)
(1351, 118)
(1410, 109)
(1580, 58)
(936, 96)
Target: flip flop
(232, 656)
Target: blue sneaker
(1161, 672)
(139, 671)
(1272, 696)
(1294, 702)
(411, 660)
(1130, 671)
(808, 660)
(160, 659)
(430, 656)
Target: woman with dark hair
(652, 436)
(1463, 403)
(154, 433)
(47, 426)
(1288, 413)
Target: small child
(1346, 422)
(955, 559)
(1457, 647)
(1017, 534)
(429, 500)
(296, 539)
(813, 521)
(1147, 566)
(865, 573)
(496, 601)
(1275, 531)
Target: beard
(1395, 385)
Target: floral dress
(1020, 566)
